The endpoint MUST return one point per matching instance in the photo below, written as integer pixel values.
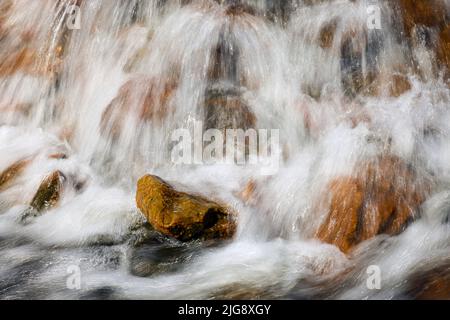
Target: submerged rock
(5, 8)
(239, 9)
(46, 197)
(351, 64)
(431, 284)
(143, 98)
(327, 35)
(388, 83)
(443, 52)
(426, 22)
(427, 13)
(382, 198)
(20, 60)
(181, 215)
(49, 192)
(158, 258)
(12, 172)
(399, 84)
(249, 194)
(225, 109)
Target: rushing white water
(289, 81)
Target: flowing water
(60, 116)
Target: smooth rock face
(181, 215)
(49, 192)
(431, 284)
(12, 172)
(382, 198)
(46, 197)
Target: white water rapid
(71, 102)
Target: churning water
(71, 101)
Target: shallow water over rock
(361, 108)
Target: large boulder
(181, 215)
(382, 198)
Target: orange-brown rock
(12, 172)
(49, 192)
(443, 51)
(428, 13)
(28, 60)
(143, 98)
(239, 9)
(393, 84)
(227, 110)
(399, 84)
(431, 284)
(5, 8)
(20, 60)
(29, 51)
(382, 198)
(326, 35)
(248, 194)
(181, 215)
(47, 197)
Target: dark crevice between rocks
(211, 218)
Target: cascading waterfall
(95, 107)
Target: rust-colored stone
(431, 284)
(239, 9)
(20, 60)
(12, 172)
(5, 9)
(443, 51)
(340, 225)
(326, 35)
(29, 61)
(390, 83)
(181, 215)
(382, 198)
(145, 98)
(399, 85)
(248, 194)
(428, 13)
(428, 16)
(49, 192)
(228, 112)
